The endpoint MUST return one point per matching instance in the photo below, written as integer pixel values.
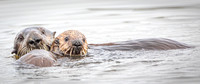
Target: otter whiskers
(71, 51)
(26, 49)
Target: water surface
(107, 21)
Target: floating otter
(70, 43)
(73, 43)
(32, 38)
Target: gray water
(105, 21)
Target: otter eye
(83, 39)
(66, 38)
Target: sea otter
(70, 43)
(73, 43)
(32, 38)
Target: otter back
(146, 44)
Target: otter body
(73, 43)
(139, 44)
(38, 57)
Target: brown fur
(66, 48)
(73, 43)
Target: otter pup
(73, 43)
(70, 43)
(32, 38)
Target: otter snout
(35, 41)
(77, 43)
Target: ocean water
(103, 21)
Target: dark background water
(107, 21)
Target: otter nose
(77, 43)
(38, 40)
(35, 41)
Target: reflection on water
(107, 21)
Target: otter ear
(54, 33)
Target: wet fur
(36, 57)
(139, 44)
(65, 48)
(21, 46)
(61, 47)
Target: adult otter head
(70, 43)
(32, 38)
